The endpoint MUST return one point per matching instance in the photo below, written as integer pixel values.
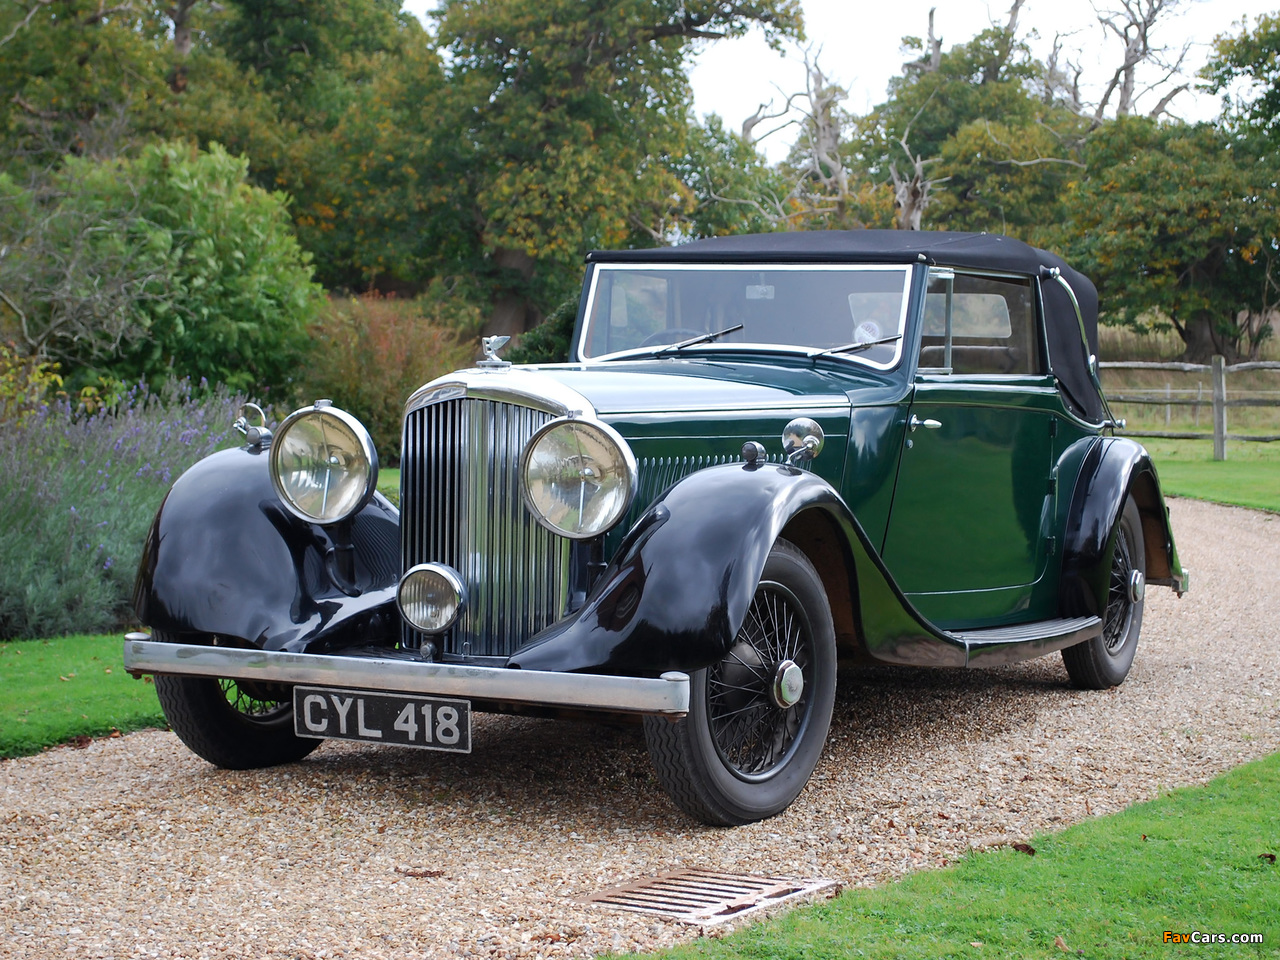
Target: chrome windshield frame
(797, 349)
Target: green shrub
(370, 352)
(548, 342)
(166, 265)
(25, 384)
(78, 493)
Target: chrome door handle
(916, 422)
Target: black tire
(1104, 661)
(741, 755)
(236, 725)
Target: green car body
(765, 454)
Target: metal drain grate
(706, 898)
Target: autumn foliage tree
(566, 117)
(1177, 224)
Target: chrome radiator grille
(460, 504)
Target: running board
(1000, 645)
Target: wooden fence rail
(1218, 370)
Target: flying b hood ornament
(491, 346)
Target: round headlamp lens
(323, 464)
(431, 597)
(578, 477)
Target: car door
(968, 530)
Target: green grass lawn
(53, 691)
(1196, 860)
(1249, 477)
(389, 484)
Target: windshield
(644, 308)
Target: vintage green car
(767, 454)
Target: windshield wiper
(703, 338)
(857, 347)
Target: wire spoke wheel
(255, 700)
(1105, 660)
(753, 732)
(1119, 604)
(758, 717)
(234, 724)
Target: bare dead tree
(820, 188)
(994, 67)
(822, 132)
(1133, 23)
(761, 115)
(932, 58)
(913, 194)
(1061, 79)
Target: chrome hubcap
(1137, 586)
(788, 685)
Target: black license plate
(403, 719)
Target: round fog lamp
(578, 477)
(430, 597)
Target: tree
(167, 264)
(564, 119)
(1176, 224)
(1007, 177)
(74, 74)
(1245, 71)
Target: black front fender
(224, 557)
(678, 589)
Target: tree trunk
(180, 14)
(512, 313)
(1202, 341)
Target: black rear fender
(1113, 469)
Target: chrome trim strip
(782, 410)
(525, 388)
(667, 695)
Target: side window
(979, 325)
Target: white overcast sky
(858, 44)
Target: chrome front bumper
(667, 695)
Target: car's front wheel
(759, 717)
(234, 724)
(1105, 660)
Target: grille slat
(461, 505)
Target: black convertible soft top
(1068, 357)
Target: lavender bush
(78, 492)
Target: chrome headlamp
(323, 463)
(578, 477)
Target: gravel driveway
(134, 847)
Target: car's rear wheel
(234, 724)
(759, 717)
(1105, 660)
